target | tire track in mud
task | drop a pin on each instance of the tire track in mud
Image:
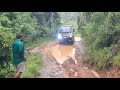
(74, 67)
(51, 68)
(71, 68)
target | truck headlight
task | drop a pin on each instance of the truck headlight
(70, 35)
(59, 36)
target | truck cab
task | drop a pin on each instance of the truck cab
(66, 34)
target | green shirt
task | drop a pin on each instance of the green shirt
(18, 52)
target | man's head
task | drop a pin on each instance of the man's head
(19, 37)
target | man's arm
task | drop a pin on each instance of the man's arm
(21, 50)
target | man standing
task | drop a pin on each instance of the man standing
(18, 55)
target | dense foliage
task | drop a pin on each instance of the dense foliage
(101, 35)
(100, 32)
(32, 25)
(69, 18)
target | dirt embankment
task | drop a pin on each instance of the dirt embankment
(74, 67)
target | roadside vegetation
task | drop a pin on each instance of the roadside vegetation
(100, 32)
(35, 27)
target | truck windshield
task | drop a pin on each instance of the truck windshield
(65, 30)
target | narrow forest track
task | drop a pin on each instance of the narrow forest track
(51, 69)
(72, 67)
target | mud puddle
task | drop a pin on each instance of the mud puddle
(62, 52)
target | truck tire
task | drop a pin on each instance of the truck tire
(72, 41)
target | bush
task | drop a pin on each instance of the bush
(6, 38)
(116, 60)
(33, 65)
(27, 24)
(101, 32)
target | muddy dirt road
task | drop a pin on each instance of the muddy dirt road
(63, 61)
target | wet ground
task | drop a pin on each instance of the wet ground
(62, 52)
(63, 61)
(66, 61)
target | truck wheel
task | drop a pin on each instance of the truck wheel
(72, 42)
